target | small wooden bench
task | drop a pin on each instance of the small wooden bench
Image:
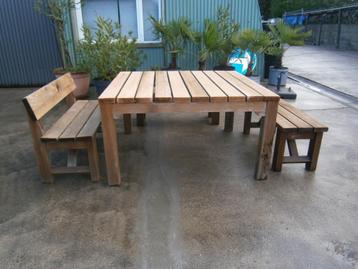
(292, 124)
(74, 130)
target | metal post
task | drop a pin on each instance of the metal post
(320, 30)
(339, 28)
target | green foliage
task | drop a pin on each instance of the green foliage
(55, 11)
(255, 40)
(208, 42)
(283, 35)
(108, 51)
(226, 28)
(174, 35)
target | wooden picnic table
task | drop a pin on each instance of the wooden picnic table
(185, 91)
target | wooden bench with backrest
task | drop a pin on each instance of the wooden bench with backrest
(74, 130)
(292, 124)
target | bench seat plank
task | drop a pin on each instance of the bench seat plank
(299, 123)
(79, 121)
(61, 124)
(283, 123)
(214, 92)
(91, 125)
(179, 90)
(319, 127)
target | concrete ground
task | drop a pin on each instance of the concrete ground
(188, 199)
(334, 68)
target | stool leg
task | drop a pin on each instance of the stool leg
(279, 151)
(247, 123)
(215, 118)
(313, 151)
(140, 119)
(229, 121)
(127, 123)
(93, 160)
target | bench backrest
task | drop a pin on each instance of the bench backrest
(44, 99)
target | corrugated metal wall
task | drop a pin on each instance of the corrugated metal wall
(245, 12)
(154, 58)
(28, 49)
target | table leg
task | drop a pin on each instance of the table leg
(267, 132)
(110, 144)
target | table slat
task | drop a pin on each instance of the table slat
(197, 92)
(251, 94)
(179, 90)
(268, 95)
(162, 92)
(146, 88)
(214, 92)
(233, 94)
(111, 92)
(128, 92)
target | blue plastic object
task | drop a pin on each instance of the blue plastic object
(242, 60)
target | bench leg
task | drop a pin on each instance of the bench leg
(127, 123)
(215, 118)
(313, 151)
(279, 151)
(229, 121)
(247, 123)
(93, 160)
(140, 119)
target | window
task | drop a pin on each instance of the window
(131, 14)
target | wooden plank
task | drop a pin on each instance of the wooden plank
(267, 133)
(279, 151)
(113, 89)
(129, 90)
(146, 88)
(304, 116)
(268, 95)
(70, 170)
(313, 151)
(91, 126)
(292, 147)
(251, 94)
(79, 121)
(44, 99)
(214, 92)
(162, 92)
(198, 94)
(285, 124)
(110, 144)
(234, 95)
(179, 90)
(60, 125)
(300, 124)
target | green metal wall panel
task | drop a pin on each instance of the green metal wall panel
(245, 12)
(153, 58)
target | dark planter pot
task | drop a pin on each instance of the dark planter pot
(100, 85)
(278, 76)
(271, 60)
(224, 67)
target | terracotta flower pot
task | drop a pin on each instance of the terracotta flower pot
(82, 81)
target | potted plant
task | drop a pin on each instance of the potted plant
(226, 28)
(282, 36)
(174, 36)
(208, 42)
(55, 10)
(252, 42)
(108, 52)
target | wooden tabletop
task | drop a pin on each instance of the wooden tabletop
(184, 87)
